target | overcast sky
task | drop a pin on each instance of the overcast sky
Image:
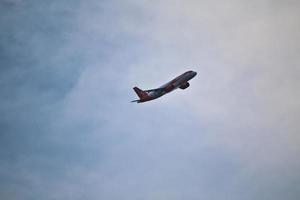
(69, 131)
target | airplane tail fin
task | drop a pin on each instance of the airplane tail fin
(142, 94)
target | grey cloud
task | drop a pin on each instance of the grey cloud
(68, 130)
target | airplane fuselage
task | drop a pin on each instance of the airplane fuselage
(178, 82)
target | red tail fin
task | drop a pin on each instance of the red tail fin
(142, 94)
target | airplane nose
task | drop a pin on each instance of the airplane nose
(194, 73)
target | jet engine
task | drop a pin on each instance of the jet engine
(184, 85)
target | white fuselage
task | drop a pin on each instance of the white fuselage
(179, 82)
(173, 84)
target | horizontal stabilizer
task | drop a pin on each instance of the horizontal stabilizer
(138, 101)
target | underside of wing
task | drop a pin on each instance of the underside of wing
(155, 90)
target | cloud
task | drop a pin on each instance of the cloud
(68, 130)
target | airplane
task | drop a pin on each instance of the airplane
(179, 82)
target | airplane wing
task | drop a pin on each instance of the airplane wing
(155, 90)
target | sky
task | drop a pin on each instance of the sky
(69, 131)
